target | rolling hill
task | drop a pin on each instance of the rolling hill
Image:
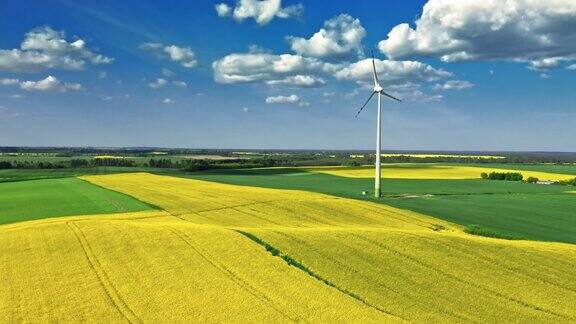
(218, 250)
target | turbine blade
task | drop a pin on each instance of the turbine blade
(364, 105)
(376, 81)
(390, 96)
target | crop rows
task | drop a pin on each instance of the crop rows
(218, 252)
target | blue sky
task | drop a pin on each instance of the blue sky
(287, 74)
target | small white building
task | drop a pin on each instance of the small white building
(544, 182)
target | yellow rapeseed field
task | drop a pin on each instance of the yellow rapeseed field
(396, 171)
(479, 157)
(211, 203)
(104, 157)
(226, 253)
(153, 267)
(441, 277)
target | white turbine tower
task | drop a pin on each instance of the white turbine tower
(377, 90)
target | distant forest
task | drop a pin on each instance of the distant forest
(192, 159)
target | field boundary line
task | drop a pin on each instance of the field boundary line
(149, 204)
(105, 281)
(79, 218)
(229, 273)
(292, 262)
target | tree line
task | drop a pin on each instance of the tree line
(507, 176)
(516, 176)
(73, 163)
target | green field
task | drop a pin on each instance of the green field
(11, 175)
(507, 208)
(36, 199)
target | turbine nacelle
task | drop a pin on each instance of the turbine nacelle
(377, 88)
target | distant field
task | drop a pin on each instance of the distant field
(36, 199)
(39, 157)
(569, 169)
(509, 208)
(11, 175)
(423, 156)
(217, 251)
(430, 171)
(53, 158)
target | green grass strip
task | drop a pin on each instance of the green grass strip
(295, 263)
(480, 231)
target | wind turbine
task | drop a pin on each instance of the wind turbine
(380, 91)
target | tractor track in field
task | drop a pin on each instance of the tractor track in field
(512, 269)
(111, 291)
(354, 270)
(230, 274)
(292, 262)
(456, 278)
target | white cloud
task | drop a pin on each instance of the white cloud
(102, 75)
(183, 55)
(299, 81)
(168, 73)
(294, 70)
(538, 32)
(167, 101)
(391, 71)
(44, 48)
(50, 83)
(410, 91)
(148, 46)
(545, 76)
(328, 94)
(352, 94)
(245, 109)
(453, 85)
(291, 99)
(107, 98)
(304, 104)
(417, 95)
(545, 64)
(571, 67)
(159, 83)
(340, 37)
(407, 91)
(312, 66)
(9, 81)
(223, 10)
(262, 11)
